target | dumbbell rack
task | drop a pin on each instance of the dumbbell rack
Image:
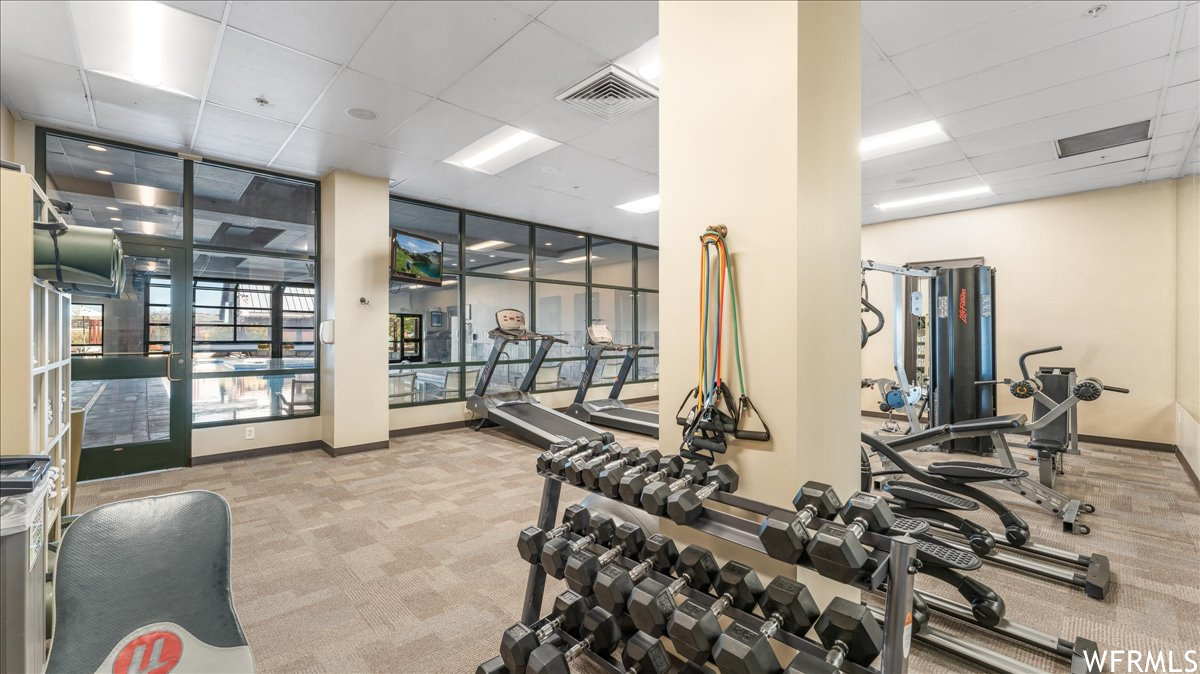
(895, 568)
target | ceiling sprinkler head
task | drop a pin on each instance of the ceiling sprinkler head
(1094, 12)
(262, 102)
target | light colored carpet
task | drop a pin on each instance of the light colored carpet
(403, 560)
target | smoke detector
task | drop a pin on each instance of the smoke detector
(610, 94)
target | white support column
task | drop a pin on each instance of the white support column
(759, 130)
(354, 264)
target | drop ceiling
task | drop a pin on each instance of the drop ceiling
(1003, 78)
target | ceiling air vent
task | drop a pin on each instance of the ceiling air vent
(1102, 140)
(610, 94)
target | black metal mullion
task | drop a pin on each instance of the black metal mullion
(277, 321)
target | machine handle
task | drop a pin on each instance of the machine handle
(1116, 389)
(1021, 360)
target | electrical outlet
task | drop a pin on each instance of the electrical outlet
(249, 432)
(656, 387)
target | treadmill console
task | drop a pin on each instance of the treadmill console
(510, 320)
(599, 334)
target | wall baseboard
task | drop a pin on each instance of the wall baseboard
(353, 449)
(431, 428)
(257, 452)
(1098, 439)
(1187, 468)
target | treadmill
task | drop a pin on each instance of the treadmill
(610, 411)
(518, 410)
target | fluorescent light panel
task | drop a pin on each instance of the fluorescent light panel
(484, 245)
(931, 198)
(645, 205)
(518, 270)
(902, 140)
(581, 258)
(503, 148)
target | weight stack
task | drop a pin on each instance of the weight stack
(963, 345)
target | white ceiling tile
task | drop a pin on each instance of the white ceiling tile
(527, 71)
(1175, 141)
(645, 160)
(872, 215)
(1028, 30)
(932, 155)
(439, 130)
(900, 26)
(441, 179)
(1098, 172)
(917, 177)
(894, 113)
(1043, 191)
(392, 102)
(384, 163)
(314, 150)
(600, 183)
(427, 46)
(323, 28)
(1166, 159)
(1141, 41)
(236, 133)
(45, 88)
(611, 28)
(1176, 122)
(1190, 38)
(1096, 118)
(249, 67)
(37, 28)
(1110, 86)
(1187, 67)
(1045, 168)
(625, 136)
(152, 113)
(209, 9)
(557, 166)
(880, 82)
(1160, 174)
(869, 55)
(1034, 153)
(1182, 97)
(558, 121)
(530, 7)
(901, 193)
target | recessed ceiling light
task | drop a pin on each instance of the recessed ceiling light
(491, 256)
(645, 205)
(118, 229)
(902, 140)
(580, 236)
(449, 282)
(413, 286)
(518, 270)
(547, 244)
(931, 198)
(470, 260)
(362, 113)
(115, 219)
(484, 245)
(97, 148)
(103, 172)
(581, 258)
(112, 208)
(500, 149)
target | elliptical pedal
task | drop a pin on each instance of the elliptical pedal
(908, 527)
(970, 471)
(934, 553)
(922, 495)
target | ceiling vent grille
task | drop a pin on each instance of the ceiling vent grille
(610, 94)
(1102, 140)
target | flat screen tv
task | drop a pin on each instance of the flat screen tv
(416, 259)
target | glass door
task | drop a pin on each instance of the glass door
(131, 365)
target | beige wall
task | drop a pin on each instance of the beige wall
(267, 433)
(1187, 326)
(1094, 272)
(7, 138)
(778, 164)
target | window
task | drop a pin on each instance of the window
(486, 296)
(560, 256)
(612, 263)
(405, 343)
(116, 187)
(647, 313)
(87, 329)
(614, 308)
(562, 312)
(497, 247)
(247, 210)
(647, 267)
(158, 315)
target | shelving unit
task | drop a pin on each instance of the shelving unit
(35, 344)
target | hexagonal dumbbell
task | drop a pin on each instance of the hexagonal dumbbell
(532, 539)
(850, 632)
(493, 666)
(633, 482)
(788, 606)
(519, 641)
(656, 494)
(583, 567)
(837, 551)
(694, 629)
(559, 451)
(573, 471)
(601, 634)
(643, 654)
(651, 604)
(557, 550)
(784, 535)
(559, 464)
(615, 583)
(595, 469)
(684, 507)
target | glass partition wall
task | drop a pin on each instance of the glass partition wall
(563, 281)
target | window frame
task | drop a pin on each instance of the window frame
(88, 344)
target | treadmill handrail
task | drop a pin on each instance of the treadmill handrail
(613, 346)
(524, 336)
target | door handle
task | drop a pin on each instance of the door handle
(170, 360)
